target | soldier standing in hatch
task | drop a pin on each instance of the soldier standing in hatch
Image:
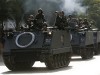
(61, 21)
(57, 16)
(45, 29)
(39, 19)
(69, 20)
(80, 22)
(86, 23)
(72, 22)
(30, 21)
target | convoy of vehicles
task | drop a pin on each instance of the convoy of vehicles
(50, 45)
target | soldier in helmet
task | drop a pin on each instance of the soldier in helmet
(30, 21)
(45, 29)
(92, 23)
(69, 20)
(56, 13)
(72, 22)
(61, 21)
(86, 23)
(39, 19)
(80, 22)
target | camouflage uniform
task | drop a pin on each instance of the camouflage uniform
(80, 22)
(45, 25)
(61, 21)
(39, 19)
(86, 23)
(72, 22)
(69, 18)
(30, 21)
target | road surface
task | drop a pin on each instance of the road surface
(76, 67)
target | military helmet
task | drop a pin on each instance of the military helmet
(70, 16)
(85, 19)
(56, 11)
(40, 10)
(62, 12)
(80, 19)
(45, 24)
(31, 16)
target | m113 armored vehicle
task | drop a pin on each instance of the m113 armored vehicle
(22, 49)
(85, 43)
(96, 35)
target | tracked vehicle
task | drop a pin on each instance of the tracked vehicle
(96, 35)
(82, 44)
(85, 43)
(22, 49)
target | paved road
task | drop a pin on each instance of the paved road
(76, 67)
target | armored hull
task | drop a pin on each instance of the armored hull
(96, 42)
(83, 44)
(24, 48)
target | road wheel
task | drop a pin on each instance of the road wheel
(87, 53)
(58, 60)
(50, 62)
(11, 64)
(68, 58)
(97, 50)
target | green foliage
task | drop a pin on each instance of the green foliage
(10, 9)
(3, 9)
(93, 11)
(15, 10)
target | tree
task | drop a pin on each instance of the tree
(93, 10)
(10, 9)
(3, 12)
(15, 10)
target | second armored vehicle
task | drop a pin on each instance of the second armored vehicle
(85, 43)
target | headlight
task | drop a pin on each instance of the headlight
(10, 35)
(50, 33)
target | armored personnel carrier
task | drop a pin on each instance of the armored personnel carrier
(85, 42)
(96, 35)
(22, 49)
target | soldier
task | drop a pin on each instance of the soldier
(61, 21)
(30, 21)
(45, 29)
(57, 13)
(69, 18)
(80, 22)
(72, 22)
(86, 23)
(39, 19)
(92, 24)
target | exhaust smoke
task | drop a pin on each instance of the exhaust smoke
(50, 6)
(73, 6)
